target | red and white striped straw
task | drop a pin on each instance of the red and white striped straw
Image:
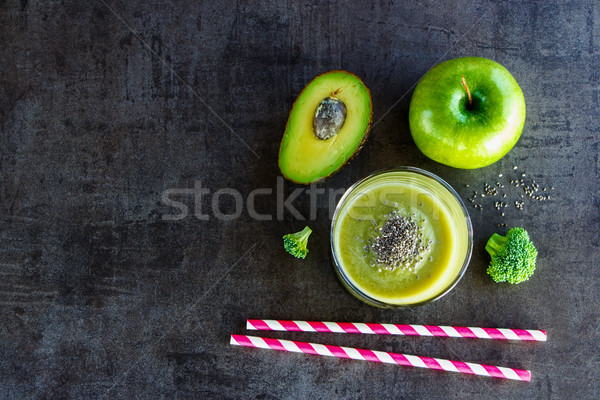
(396, 329)
(381, 356)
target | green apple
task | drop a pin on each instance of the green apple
(467, 112)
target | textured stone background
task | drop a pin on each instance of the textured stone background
(106, 104)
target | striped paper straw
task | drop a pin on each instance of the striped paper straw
(380, 356)
(396, 329)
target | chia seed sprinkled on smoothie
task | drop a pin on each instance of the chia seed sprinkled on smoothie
(399, 243)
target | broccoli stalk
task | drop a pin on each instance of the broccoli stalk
(295, 243)
(513, 256)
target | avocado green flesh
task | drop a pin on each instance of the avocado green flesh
(303, 157)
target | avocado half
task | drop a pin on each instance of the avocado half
(328, 124)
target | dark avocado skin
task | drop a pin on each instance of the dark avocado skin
(358, 148)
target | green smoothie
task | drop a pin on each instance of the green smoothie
(413, 196)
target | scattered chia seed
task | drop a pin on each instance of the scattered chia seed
(519, 205)
(526, 188)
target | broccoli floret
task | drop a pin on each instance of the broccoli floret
(295, 243)
(513, 256)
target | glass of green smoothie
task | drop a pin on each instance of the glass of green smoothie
(400, 238)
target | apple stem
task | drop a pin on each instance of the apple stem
(464, 83)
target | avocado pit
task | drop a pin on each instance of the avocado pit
(329, 118)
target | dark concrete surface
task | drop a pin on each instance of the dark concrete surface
(105, 105)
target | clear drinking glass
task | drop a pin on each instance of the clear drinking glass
(415, 192)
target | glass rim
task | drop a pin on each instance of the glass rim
(337, 264)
